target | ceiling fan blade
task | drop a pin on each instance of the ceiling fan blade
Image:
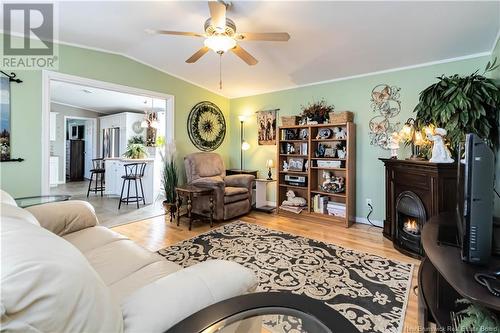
(218, 14)
(244, 55)
(178, 33)
(194, 58)
(264, 36)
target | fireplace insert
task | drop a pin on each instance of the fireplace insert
(410, 218)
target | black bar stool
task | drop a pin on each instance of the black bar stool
(98, 170)
(135, 172)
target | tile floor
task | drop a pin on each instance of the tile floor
(106, 207)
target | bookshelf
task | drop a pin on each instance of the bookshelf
(305, 159)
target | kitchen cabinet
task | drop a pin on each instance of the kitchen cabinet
(125, 122)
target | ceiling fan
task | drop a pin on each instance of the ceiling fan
(221, 36)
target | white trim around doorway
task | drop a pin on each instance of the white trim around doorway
(48, 76)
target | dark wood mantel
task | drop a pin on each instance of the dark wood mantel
(434, 183)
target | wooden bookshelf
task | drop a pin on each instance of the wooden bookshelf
(314, 173)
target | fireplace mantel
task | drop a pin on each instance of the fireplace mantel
(434, 183)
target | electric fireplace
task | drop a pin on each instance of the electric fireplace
(410, 218)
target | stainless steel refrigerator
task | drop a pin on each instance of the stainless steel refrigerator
(111, 142)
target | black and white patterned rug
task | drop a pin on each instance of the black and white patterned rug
(369, 290)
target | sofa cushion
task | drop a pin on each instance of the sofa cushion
(48, 286)
(91, 238)
(187, 291)
(6, 198)
(144, 276)
(117, 260)
(233, 194)
(14, 212)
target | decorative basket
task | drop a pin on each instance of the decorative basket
(289, 120)
(340, 117)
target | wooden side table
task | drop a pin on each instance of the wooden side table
(190, 192)
(260, 195)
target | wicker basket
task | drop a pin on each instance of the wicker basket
(340, 117)
(289, 120)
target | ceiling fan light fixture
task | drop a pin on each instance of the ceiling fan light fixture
(220, 43)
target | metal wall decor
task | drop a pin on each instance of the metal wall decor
(206, 126)
(385, 100)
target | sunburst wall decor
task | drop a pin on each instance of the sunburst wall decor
(206, 126)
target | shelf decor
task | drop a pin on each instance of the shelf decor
(206, 126)
(316, 113)
(320, 167)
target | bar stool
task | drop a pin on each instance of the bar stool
(98, 170)
(133, 172)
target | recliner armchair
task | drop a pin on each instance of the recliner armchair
(233, 194)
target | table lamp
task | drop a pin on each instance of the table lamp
(269, 165)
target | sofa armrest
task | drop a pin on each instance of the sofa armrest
(239, 181)
(165, 302)
(65, 217)
(217, 182)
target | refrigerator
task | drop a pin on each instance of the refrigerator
(111, 142)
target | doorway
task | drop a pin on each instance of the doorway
(93, 107)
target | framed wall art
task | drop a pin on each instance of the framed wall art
(266, 125)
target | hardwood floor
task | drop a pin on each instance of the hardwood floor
(157, 233)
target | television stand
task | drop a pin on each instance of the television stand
(448, 235)
(444, 278)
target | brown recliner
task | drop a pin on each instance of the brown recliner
(233, 194)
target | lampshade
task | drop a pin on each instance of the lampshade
(418, 138)
(245, 145)
(220, 43)
(429, 130)
(242, 118)
(269, 164)
(406, 131)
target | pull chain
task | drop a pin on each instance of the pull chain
(220, 70)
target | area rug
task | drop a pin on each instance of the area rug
(369, 290)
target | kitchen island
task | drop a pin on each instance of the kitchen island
(115, 169)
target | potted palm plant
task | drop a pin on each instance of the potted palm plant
(463, 104)
(170, 178)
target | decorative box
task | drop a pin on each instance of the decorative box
(340, 117)
(289, 120)
(329, 164)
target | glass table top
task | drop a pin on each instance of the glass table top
(39, 200)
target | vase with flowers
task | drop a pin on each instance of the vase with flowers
(316, 112)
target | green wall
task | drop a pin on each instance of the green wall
(24, 179)
(353, 95)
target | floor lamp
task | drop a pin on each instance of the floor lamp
(243, 144)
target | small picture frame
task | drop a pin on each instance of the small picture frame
(330, 152)
(296, 164)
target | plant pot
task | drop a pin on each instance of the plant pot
(169, 207)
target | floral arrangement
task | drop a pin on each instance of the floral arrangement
(316, 111)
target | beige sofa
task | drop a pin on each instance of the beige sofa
(233, 194)
(62, 272)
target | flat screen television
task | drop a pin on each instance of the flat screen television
(475, 200)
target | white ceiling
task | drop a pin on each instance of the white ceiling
(329, 40)
(101, 100)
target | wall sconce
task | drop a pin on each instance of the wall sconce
(269, 165)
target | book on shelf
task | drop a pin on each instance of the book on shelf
(293, 209)
(320, 204)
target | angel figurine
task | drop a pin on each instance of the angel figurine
(440, 153)
(394, 144)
